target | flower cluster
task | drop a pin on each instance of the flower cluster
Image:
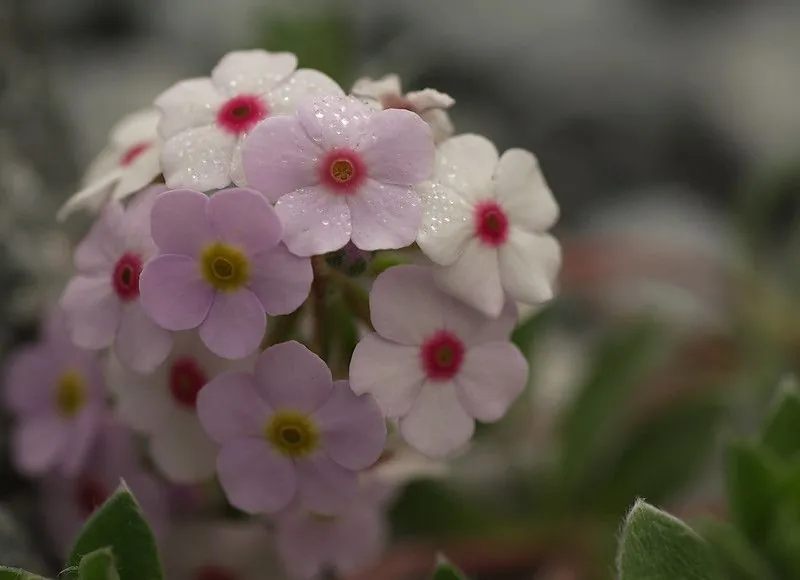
(215, 297)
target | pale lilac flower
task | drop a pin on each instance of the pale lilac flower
(435, 363)
(340, 170)
(55, 390)
(485, 221)
(68, 502)
(289, 432)
(221, 266)
(162, 405)
(129, 163)
(429, 104)
(101, 303)
(309, 543)
(221, 550)
(205, 119)
(400, 464)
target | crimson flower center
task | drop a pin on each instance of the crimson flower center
(132, 153)
(241, 113)
(491, 224)
(125, 277)
(89, 495)
(214, 572)
(442, 355)
(186, 378)
(342, 170)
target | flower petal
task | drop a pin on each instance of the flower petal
(281, 280)
(384, 216)
(285, 99)
(324, 486)
(278, 157)
(134, 128)
(37, 443)
(92, 310)
(491, 378)
(405, 306)
(92, 196)
(430, 99)
(79, 441)
(188, 104)
(528, 266)
(252, 71)
(447, 223)
(466, 164)
(27, 381)
(437, 424)
(182, 450)
(397, 147)
(173, 293)
(389, 372)
(289, 376)
(521, 189)
(198, 158)
(141, 344)
(136, 231)
(314, 221)
(142, 402)
(474, 279)
(229, 407)
(99, 250)
(335, 122)
(141, 173)
(244, 218)
(179, 224)
(352, 427)
(235, 324)
(255, 478)
(375, 89)
(439, 122)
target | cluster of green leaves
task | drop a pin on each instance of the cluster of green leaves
(115, 544)
(762, 540)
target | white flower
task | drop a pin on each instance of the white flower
(163, 406)
(205, 119)
(126, 165)
(429, 104)
(401, 464)
(485, 220)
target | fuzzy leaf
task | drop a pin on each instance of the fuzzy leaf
(445, 570)
(735, 555)
(657, 546)
(98, 565)
(17, 574)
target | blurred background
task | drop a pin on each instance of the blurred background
(669, 132)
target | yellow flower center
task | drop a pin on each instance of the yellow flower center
(342, 170)
(70, 395)
(225, 267)
(292, 434)
(322, 518)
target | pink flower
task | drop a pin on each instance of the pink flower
(205, 119)
(221, 266)
(340, 170)
(101, 303)
(289, 432)
(308, 542)
(434, 362)
(68, 502)
(55, 389)
(485, 222)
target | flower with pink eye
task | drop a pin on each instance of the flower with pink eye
(485, 221)
(206, 119)
(129, 163)
(341, 171)
(435, 363)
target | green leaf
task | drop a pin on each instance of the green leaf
(735, 555)
(662, 455)
(120, 525)
(753, 486)
(17, 574)
(619, 363)
(657, 546)
(446, 570)
(783, 542)
(98, 565)
(782, 430)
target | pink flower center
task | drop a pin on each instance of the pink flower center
(442, 355)
(89, 495)
(213, 572)
(125, 278)
(491, 224)
(240, 114)
(342, 170)
(133, 153)
(186, 378)
(397, 102)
